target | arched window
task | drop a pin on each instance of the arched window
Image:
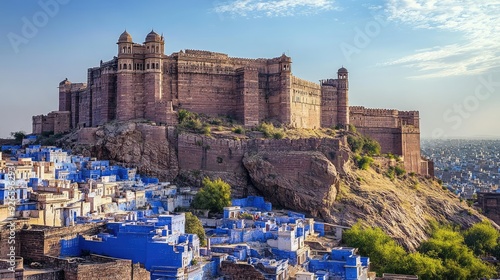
(157, 49)
(129, 50)
(152, 66)
(147, 66)
(120, 66)
(130, 66)
(123, 50)
(124, 66)
(157, 66)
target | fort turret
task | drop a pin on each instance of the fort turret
(124, 78)
(154, 47)
(343, 100)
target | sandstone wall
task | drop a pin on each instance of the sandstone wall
(204, 156)
(38, 241)
(306, 104)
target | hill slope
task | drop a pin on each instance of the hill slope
(402, 207)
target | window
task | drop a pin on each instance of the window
(124, 66)
(130, 66)
(152, 66)
(157, 66)
(147, 66)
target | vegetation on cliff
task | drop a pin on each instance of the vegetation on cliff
(444, 255)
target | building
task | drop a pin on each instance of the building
(342, 263)
(142, 82)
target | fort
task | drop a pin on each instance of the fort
(141, 82)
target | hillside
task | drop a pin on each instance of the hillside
(314, 174)
(402, 207)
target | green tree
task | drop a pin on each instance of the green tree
(459, 261)
(18, 136)
(193, 225)
(423, 266)
(214, 195)
(481, 238)
(385, 254)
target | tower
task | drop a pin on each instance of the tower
(125, 97)
(154, 49)
(65, 95)
(285, 70)
(342, 99)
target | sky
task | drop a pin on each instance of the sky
(438, 57)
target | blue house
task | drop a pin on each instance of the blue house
(160, 244)
(343, 263)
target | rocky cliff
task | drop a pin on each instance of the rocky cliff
(147, 147)
(313, 175)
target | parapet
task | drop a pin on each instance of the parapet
(373, 112)
(328, 82)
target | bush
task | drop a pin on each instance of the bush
(363, 144)
(400, 171)
(267, 129)
(365, 162)
(390, 173)
(206, 130)
(270, 131)
(238, 129)
(278, 135)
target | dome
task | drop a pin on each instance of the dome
(125, 38)
(153, 37)
(342, 70)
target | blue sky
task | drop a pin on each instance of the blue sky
(438, 57)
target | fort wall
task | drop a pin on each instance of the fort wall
(397, 132)
(196, 152)
(39, 241)
(306, 104)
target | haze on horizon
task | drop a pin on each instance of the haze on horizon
(440, 58)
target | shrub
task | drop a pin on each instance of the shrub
(270, 131)
(400, 171)
(278, 135)
(238, 129)
(206, 130)
(183, 114)
(390, 173)
(266, 128)
(363, 162)
(358, 144)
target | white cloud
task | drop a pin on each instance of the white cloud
(478, 22)
(273, 8)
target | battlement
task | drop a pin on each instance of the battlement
(298, 82)
(329, 82)
(372, 111)
(189, 52)
(246, 68)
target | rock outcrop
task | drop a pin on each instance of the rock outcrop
(147, 147)
(303, 181)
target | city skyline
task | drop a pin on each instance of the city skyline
(439, 59)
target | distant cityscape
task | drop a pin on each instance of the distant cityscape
(466, 166)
